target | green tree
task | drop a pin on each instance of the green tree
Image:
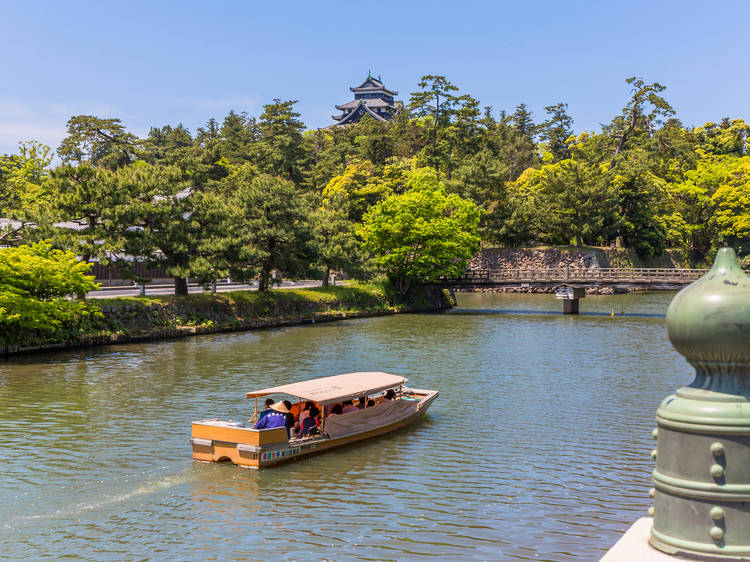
(166, 145)
(731, 217)
(24, 198)
(640, 116)
(434, 99)
(99, 142)
(330, 151)
(421, 234)
(643, 202)
(572, 203)
(209, 134)
(515, 151)
(373, 141)
(338, 248)
(271, 227)
(239, 136)
(556, 130)
(522, 121)
(515, 220)
(361, 186)
(730, 137)
(693, 201)
(155, 219)
(672, 150)
(407, 135)
(481, 177)
(435, 104)
(84, 199)
(38, 286)
(281, 147)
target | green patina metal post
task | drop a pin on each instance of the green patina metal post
(702, 476)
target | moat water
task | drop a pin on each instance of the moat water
(537, 448)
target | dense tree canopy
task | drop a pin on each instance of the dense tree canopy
(247, 196)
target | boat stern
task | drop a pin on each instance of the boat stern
(221, 441)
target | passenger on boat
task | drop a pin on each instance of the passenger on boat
(390, 395)
(336, 410)
(349, 406)
(289, 416)
(362, 402)
(266, 408)
(309, 425)
(275, 418)
(370, 403)
(305, 412)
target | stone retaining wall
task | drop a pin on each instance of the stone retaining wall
(549, 258)
(532, 290)
(157, 318)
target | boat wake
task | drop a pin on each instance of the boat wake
(147, 488)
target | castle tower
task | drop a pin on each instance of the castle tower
(370, 98)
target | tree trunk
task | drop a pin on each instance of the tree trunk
(264, 279)
(402, 286)
(327, 276)
(625, 133)
(180, 286)
(579, 242)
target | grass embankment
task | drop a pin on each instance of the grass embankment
(128, 319)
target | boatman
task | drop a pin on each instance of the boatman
(266, 408)
(275, 418)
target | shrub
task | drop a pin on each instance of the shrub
(39, 288)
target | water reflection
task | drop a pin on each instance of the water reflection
(536, 449)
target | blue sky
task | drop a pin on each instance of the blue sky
(156, 63)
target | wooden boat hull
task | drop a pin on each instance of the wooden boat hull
(216, 441)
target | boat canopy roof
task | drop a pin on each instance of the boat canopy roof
(326, 390)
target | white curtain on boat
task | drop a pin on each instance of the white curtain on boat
(370, 418)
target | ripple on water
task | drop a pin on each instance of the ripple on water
(536, 449)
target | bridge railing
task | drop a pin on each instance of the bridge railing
(562, 274)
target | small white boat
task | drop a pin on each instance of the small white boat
(216, 440)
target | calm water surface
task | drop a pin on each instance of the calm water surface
(538, 447)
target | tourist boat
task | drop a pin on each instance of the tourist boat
(216, 440)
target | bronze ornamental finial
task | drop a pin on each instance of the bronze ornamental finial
(702, 475)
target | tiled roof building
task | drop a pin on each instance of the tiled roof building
(370, 98)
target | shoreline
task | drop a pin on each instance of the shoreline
(186, 331)
(128, 320)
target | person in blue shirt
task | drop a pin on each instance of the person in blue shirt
(266, 408)
(276, 417)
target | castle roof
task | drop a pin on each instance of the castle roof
(372, 84)
(373, 103)
(354, 115)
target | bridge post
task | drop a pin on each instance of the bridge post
(702, 477)
(570, 297)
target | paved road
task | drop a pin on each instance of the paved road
(192, 288)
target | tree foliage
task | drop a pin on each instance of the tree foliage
(270, 226)
(259, 196)
(24, 196)
(421, 234)
(97, 141)
(155, 218)
(36, 283)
